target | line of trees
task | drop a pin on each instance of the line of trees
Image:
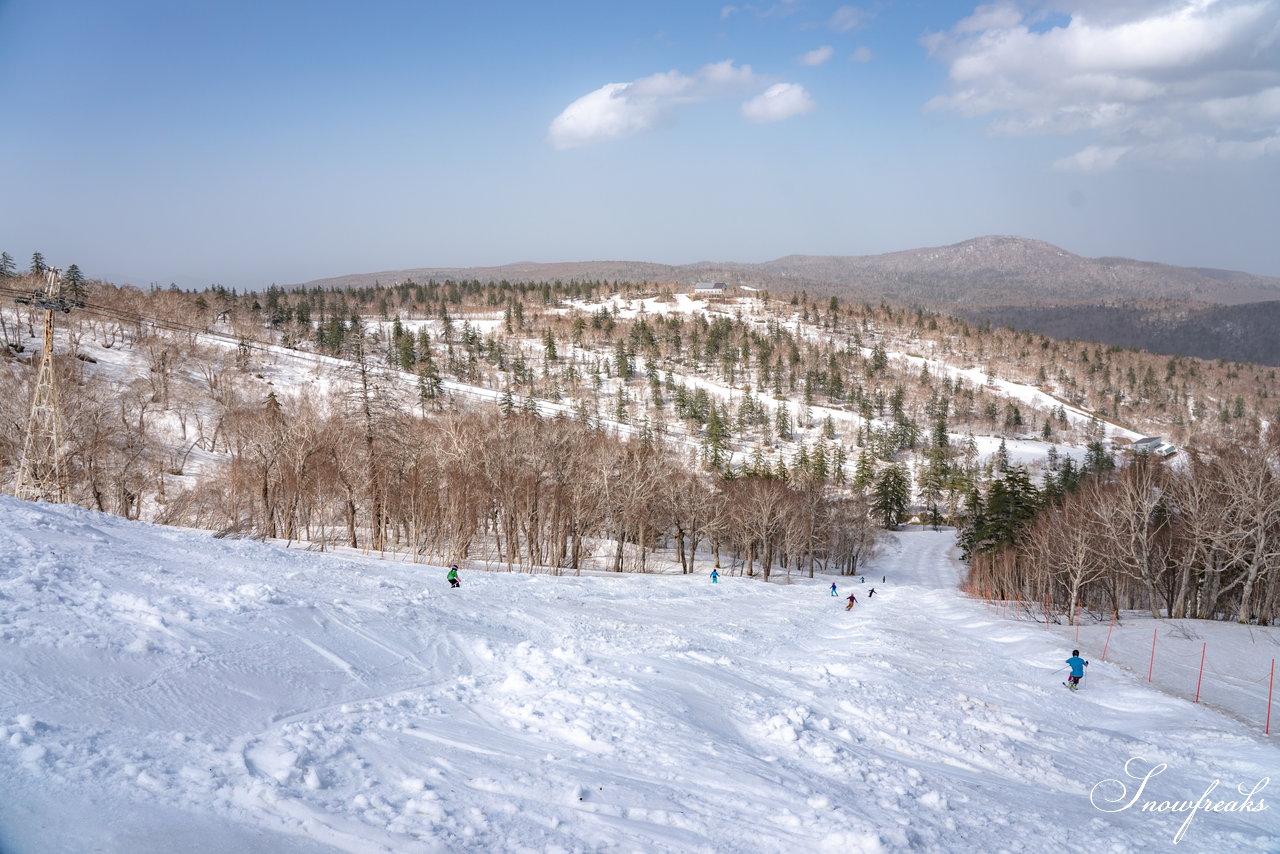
(1198, 541)
(517, 490)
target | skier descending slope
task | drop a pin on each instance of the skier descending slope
(1078, 665)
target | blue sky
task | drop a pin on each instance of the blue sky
(246, 143)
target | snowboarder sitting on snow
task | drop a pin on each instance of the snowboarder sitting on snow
(853, 600)
(1078, 665)
(715, 577)
(833, 589)
(453, 577)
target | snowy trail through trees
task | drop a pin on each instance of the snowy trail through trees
(162, 689)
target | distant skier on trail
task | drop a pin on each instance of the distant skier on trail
(1078, 665)
(715, 577)
(833, 589)
(453, 576)
(853, 600)
(871, 592)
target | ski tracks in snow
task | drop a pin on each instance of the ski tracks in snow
(364, 707)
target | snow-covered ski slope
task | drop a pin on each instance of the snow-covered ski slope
(162, 691)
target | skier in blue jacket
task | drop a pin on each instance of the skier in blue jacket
(1078, 665)
(833, 589)
(715, 577)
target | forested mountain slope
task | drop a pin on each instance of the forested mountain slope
(1237, 333)
(586, 425)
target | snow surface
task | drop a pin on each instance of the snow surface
(164, 690)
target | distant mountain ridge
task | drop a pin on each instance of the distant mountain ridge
(991, 270)
(1011, 281)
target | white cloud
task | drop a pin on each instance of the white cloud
(726, 11)
(780, 101)
(1094, 158)
(618, 110)
(817, 56)
(993, 16)
(1154, 81)
(846, 18)
(862, 54)
(1244, 111)
(1251, 150)
(607, 113)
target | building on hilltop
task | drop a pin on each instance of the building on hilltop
(1154, 445)
(709, 287)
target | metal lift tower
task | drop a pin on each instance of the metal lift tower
(42, 472)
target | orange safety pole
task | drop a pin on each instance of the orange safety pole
(1151, 669)
(1269, 690)
(1203, 650)
(1109, 628)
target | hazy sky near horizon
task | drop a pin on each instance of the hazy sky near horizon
(246, 143)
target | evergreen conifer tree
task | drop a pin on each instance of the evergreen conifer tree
(891, 496)
(782, 422)
(838, 461)
(1097, 458)
(1012, 500)
(864, 471)
(717, 438)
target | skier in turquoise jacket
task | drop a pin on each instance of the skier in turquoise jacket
(1078, 665)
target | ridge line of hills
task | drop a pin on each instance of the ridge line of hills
(1010, 281)
(990, 269)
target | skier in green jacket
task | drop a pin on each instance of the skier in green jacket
(453, 577)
